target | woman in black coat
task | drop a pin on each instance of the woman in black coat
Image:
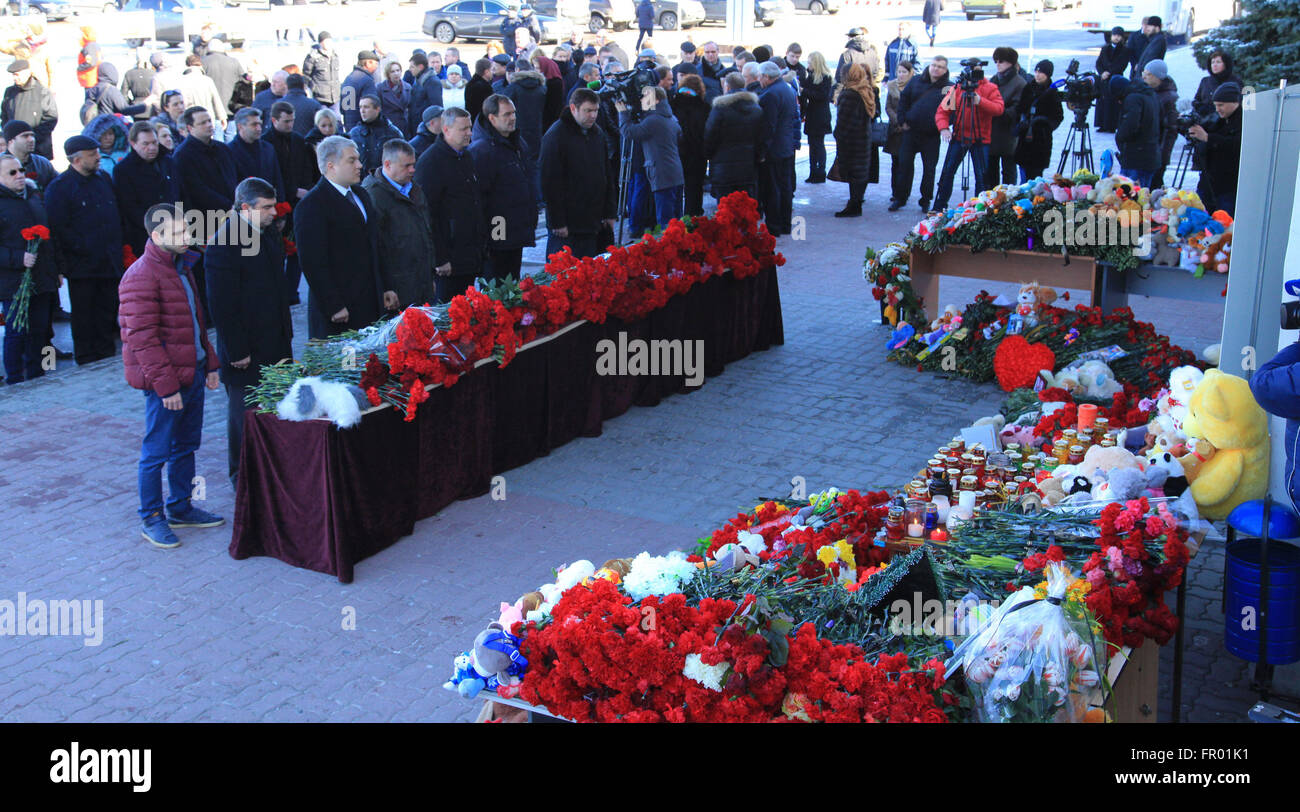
(930, 16)
(1220, 71)
(1040, 114)
(692, 112)
(1113, 60)
(855, 108)
(815, 101)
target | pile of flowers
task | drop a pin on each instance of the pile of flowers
(428, 346)
(891, 283)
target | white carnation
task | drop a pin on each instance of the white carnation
(658, 575)
(710, 676)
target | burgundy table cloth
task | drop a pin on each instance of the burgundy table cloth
(322, 498)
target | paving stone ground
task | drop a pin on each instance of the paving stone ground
(191, 634)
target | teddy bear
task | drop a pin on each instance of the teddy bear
(1067, 379)
(493, 664)
(1173, 477)
(1098, 381)
(1224, 412)
(1119, 485)
(1030, 301)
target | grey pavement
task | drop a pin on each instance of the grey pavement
(191, 634)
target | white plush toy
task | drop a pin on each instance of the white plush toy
(1098, 381)
(312, 398)
(1067, 379)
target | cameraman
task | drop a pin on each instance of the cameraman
(1138, 134)
(1220, 141)
(964, 119)
(656, 134)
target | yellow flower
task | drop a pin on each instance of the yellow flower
(827, 555)
(846, 552)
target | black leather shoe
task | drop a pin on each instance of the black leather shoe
(850, 210)
(895, 206)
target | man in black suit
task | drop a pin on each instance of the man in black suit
(250, 305)
(298, 169)
(446, 174)
(146, 177)
(337, 243)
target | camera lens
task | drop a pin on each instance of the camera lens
(1291, 315)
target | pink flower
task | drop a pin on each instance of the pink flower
(1155, 527)
(1115, 559)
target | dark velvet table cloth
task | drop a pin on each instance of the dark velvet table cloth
(322, 498)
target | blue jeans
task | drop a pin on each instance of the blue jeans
(171, 438)
(639, 202)
(23, 351)
(668, 205)
(952, 159)
(1142, 176)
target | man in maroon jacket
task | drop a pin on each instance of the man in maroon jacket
(166, 353)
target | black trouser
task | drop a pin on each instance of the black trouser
(24, 353)
(952, 160)
(449, 287)
(720, 190)
(817, 157)
(94, 318)
(292, 276)
(645, 32)
(1166, 152)
(904, 168)
(504, 263)
(580, 245)
(779, 208)
(1000, 169)
(234, 428)
(694, 205)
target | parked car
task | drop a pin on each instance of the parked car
(674, 14)
(766, 12)
(820, 6)
(56, 10)
(1053, 5)
(481, 20)
(999, 8)
(174, 21)
(601, 14)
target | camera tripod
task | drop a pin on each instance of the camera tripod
(624, 182)
(1184, 162)
(966, 138)
(1080, 134)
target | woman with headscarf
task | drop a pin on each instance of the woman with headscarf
(855, 108)
(815, 98)
(1220, 72)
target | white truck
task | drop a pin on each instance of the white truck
(1181, 18)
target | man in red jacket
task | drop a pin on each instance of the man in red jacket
(166, 353)
(965, 121)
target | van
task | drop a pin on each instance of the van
(1181, 18)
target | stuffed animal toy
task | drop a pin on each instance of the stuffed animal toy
(464, 679)
(1021, 431)
(1224, 412)
(901, 335)
(1120, 485)
(1031, 300)
(311, 398)
(1198, 452)
(1098, 381)
(1067, 379)
(1175, 478)
(1052, 490)
(496, 658)
(1106, 460)
(1211, 354)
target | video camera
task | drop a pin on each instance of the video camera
(627, 87)
(1291, 310)
(1185, 122)
(972, 73)
(1080, 88)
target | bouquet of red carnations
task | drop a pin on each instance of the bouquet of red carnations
(18, 313)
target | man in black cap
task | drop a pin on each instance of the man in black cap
(501, 68)
(430, 129)
(1220, 141)
(86, 230)
(858, 51)
(690, 57)
(21, 140)
(1153, 47)
(321, 69)
(360, 83)
(29, 100)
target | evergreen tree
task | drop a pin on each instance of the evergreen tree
(1264, 43)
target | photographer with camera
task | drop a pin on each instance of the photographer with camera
(1138, 134)
(1002, 138)
(1156, 76)
(965, 119)
(1220, 140)
(1040, 114)
(656, 134)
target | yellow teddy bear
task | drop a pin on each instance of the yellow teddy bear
(1223, 412)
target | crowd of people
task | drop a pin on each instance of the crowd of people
(201, 194)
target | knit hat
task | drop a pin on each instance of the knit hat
(1118, 85)
(157, 60)
(454, 69)
(18, 64)
(688, 47)
(590, 50)
(1045, 67)
(16, 128)
(79, 143)
(1119, 29)
(1157, 68)
(762, 53)
(430, 112)
(362, 56)
(1156, 21)
(1228, 92)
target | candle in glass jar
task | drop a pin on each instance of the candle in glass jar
(965, 504)
(943, 505)
(1087, 415)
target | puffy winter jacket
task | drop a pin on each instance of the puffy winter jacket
(370, 139)
(108, 160)
(953, 111)
(733, 139)
(657, 133)
(506, 184)
(1276, 386)
(919, 101)
(158, 351)
(106, 98)
(1138, 134)
(322, 74)
(527, 89)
